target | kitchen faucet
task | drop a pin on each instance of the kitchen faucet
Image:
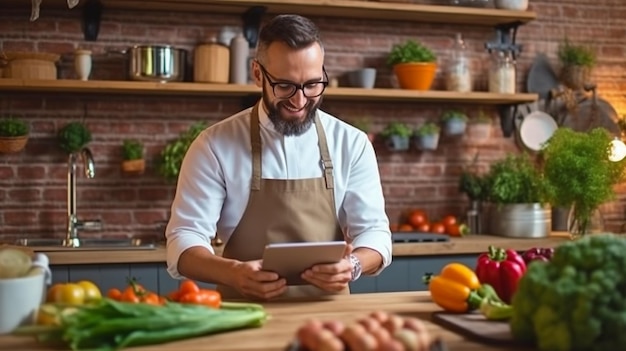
(73, 224)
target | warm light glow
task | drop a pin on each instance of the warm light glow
(617, 151)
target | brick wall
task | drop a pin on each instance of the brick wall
(33, 183)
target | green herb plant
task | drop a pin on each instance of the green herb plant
(570, 54)
(427, 128)
(13, 127)
(579, 172)
(410, 51)
(397, 128)
(174, 152)
(471, 182)
(132, 150)
(73, 137)
(515, 180)
(453, 115)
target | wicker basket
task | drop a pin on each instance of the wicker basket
(10, 145)
(575, 77)
(30, 65)
(133, 166)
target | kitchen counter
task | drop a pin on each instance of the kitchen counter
(471, 244)
(286, 317)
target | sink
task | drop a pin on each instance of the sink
(95, 244)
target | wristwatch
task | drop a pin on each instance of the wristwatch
(356, 267)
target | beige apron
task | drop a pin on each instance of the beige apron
(284, 210)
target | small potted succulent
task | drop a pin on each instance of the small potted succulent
(577, 62)
(427, 136)
(454, 122)
(73, 137)
(414, 65)
(397, 136)
(132, 157)
(13, 135)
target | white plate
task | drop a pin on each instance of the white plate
(536, 129)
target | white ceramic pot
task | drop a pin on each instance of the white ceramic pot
(82, 64)
(517, 5)
(19, 301)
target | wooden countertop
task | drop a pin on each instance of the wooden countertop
(471, 244)
(286, 317)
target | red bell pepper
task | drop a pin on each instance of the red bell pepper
(502, 269)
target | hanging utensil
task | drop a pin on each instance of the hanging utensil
(34, 10)
(72, 3)
(541, 78)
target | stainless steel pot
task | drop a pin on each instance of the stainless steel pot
(161, 63)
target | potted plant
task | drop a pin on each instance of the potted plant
(13, 135)
(473, 184)
(517, 195)
(397, 136)
(577, 62)
(580, 175)
(364, 124)
(479, 127)
(454, 122)
(427, 136)
(132, 157)
(414, 65)
(173, 153)
(73, 137)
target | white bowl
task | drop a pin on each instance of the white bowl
(19, 301)
(516, 5)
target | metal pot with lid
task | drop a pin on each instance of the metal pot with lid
(156, 63)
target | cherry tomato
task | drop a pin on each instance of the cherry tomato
(150, 298)
(204, 297)
(51, 295)
(129, 295)
(188, 286)
(115, 294)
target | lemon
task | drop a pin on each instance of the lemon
(70, 294)
(92, 292)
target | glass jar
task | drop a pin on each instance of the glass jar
(459, 77)
(502, 74)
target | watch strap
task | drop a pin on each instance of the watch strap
(356, 267)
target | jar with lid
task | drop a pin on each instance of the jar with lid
(502, 73)
(459, 75)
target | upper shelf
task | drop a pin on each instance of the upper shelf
(331, 8)
(196, 89)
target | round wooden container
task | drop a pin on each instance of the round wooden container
(30, 65)
(211, 63)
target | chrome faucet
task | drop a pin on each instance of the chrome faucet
(73, 224)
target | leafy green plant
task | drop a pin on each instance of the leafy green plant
(174, 152)
(397, 128)
(132, 150)
(481, 117)
(453, 114)
(428, 128)
(570, 54)
(13, 127)
(515, 180)
(471, 183)
(410, 51)
(73, 137)
(579, 172)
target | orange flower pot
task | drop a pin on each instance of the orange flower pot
(415, 75)
(133, 166)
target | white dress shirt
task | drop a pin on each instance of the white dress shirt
(214, 182)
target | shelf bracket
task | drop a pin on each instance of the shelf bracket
(92, 14)
(251, 23)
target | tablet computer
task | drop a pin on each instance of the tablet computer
(289, 260)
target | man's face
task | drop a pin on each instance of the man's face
(285, 68)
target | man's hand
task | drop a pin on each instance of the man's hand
(332, 277)
(255, 283)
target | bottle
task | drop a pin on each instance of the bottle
(502, 73)
(459, 76)
(239, 52)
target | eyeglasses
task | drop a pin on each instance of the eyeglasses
(285, 90)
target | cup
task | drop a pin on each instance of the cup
(362, 78)
(19, 300)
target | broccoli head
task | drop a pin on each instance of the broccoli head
(577, 301)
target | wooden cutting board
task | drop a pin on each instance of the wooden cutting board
(477, 327)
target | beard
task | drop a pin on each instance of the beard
(286, 126)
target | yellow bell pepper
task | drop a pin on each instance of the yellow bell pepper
(455, 289)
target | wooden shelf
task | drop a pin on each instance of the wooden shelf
(330, 8)
(199, 89)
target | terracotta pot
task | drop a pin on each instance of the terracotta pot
(415, 75)
(12, 144)
(575, 77)
(134, 166)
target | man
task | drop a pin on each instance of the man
(282, 171)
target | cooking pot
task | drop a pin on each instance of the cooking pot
(161, 63)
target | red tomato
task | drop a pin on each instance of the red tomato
(438, 228)
(417, 218)
(405, 228)
(424, 228)
(457, 229)
(449, 220)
